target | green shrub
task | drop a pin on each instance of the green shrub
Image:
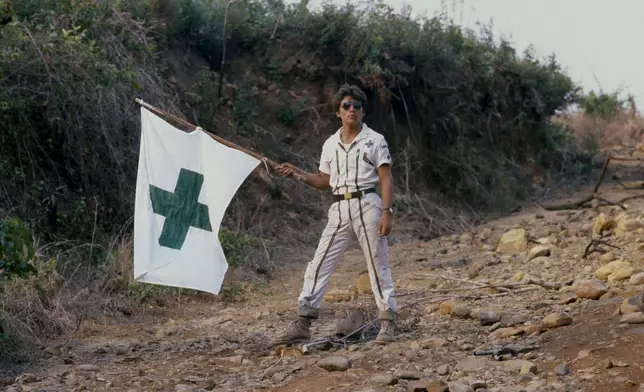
(16, 250)
(602, 105)
(239, 248)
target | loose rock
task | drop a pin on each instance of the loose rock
(385, 379)
(590, 289)
(528, 367)
(442, 370)
(88, 368)
(603, 223)
(633, 318)
(562, 369)
(607, 257)
(637, 279)
(488, 317)
(335, 363)
(514, 241)
(632, 304)
(457, 386)
(507, 332)
(478, 384)
(539, 251)
(408, 374)
(556, 320)
(427, 385)
(621, 268)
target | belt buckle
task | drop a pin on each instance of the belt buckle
(347, 196)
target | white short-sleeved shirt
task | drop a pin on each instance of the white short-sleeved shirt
(354, 167)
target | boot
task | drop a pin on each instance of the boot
(299, 332)
(386, 334)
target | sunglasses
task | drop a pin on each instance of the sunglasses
(356, 105)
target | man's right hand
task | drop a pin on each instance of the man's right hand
(286, 169)
(319, 180)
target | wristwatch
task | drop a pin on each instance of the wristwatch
(390, 209)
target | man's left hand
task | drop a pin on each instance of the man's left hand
(385, 224)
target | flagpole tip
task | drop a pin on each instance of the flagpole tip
(138, 100)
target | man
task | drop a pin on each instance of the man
(354, 160)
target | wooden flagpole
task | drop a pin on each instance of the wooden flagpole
(223, 141)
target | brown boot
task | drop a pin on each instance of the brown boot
(299, 332)
(386, 334)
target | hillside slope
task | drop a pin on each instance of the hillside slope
(461, 111)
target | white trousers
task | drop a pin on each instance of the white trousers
(349, 220)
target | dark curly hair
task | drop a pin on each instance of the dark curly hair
(347, 90)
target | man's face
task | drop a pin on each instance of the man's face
(350, 111)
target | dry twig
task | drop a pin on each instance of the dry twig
(501, 286)
(593, 246)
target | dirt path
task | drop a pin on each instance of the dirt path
(211, 346)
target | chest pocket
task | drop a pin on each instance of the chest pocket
(367, 159)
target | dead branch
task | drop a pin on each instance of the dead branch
(501, 286)
(280, 20)
(627, 159)
(586, 199)
(479, 284)
(632, 197)
(434, 299)
(594, 246)
(594, 194)
(530, 280)
(610, 203)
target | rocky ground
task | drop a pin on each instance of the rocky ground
(520, 284)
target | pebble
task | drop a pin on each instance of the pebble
(408, 374)
(528, 367)
(385, 379)
(478, 384)
(88, 368)
(633, 318)
(562, 369)
(442, 370)
(589, 289)
(427, 385)
(457, 386)
(335, 363)
(556, 320)
(488, 317)
(539, 251)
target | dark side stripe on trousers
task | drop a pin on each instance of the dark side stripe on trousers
(364, 227)
(335, 232)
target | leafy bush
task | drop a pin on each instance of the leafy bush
(16, 250)
(69, 72)
(238, 247)
(602, 105)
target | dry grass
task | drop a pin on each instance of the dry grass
(37, 308)
(626, 128)
(54, 303)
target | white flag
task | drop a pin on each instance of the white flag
(184, 185)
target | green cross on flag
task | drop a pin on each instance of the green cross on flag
(185, 183)
(181, 209)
